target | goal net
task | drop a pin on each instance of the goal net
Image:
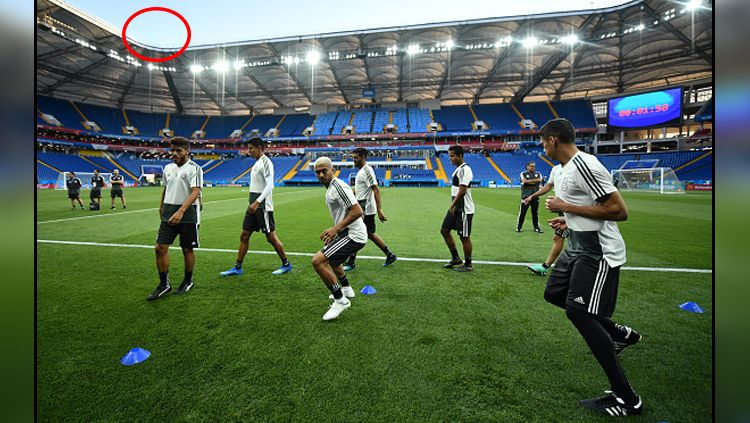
(151, 174)
(663, 180)
(85, 177)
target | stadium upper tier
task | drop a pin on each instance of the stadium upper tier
(499, 119)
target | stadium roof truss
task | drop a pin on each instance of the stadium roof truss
(638, 45)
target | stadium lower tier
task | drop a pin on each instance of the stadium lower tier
(495, 169)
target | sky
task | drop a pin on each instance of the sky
(221, 21)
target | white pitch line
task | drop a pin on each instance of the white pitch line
(416, 259)
(68, 219)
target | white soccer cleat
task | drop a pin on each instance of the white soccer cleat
(347, 291)
(337, 308)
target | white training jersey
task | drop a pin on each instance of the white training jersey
(363, 183)
(262, 169)
(554, 174)
(582, 181)
(339, 199)
(180, 180)
(463, 176)
(198, 207)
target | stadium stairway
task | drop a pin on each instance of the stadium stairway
(297, 166)
(388, 174)
(440, 172)
(546, 160)
(93, 163)
(122, 168)
(213, 167)
(245, 172)
(693, 161)
(498, 170)
(48, 165)
(518, 113)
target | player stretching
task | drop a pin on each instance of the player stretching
(347, 236)
(559, 235)
(259, 214)
(461, 212)
(183, 180)
(585, 278)
(368, 196)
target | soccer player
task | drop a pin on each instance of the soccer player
(74, 190)
(347, 236)
(183, 180)
(259, 214)
(461, 211)
(530, 181)
(559, 235)
(116, 182)
(368, 196)
(585, 278)
(97, 183)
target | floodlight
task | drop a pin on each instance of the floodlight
(412, 49)
(693, 5)
(313, 57)
(196, 68)
(530, 42)
(449, 44)
(570, 39)
(221, 67)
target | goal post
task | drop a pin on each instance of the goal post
(663, 180)
(85, 177)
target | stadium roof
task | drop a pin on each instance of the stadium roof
(641, 44)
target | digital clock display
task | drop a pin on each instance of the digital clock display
(646, 110)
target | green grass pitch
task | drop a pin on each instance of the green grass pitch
(431, 345)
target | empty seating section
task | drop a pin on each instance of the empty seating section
(578, 112)
(482, 169)
(66, 162)
(381, 120)
(108, 119)
(454, 118)
(412, 175)
(324, 123)
(294, 125)
(185, 125)
(513, 165)
(304, 176)
(228, 170)
(699, 171)
(223, 126)
(419, 119)
(282, 165)
(62, 110)
(538, 112)
(262, 123)
(148, 124)
(45, 175)
(499, 117)
(362, 122)
(341, 121)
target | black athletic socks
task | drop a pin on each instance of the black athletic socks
(344, 281)
(454, 254)
(188, 277)
(336, 291)
(163, 278)
(238, 264)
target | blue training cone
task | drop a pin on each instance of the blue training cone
(368, 290)
(135, 356)
(691, 307)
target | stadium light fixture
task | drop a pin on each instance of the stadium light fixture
(196, 68)
(640, 27)
(221, 66)
(239, 64)
(530, 42)
(412, 49)
(569, 39)
(313, 57)
(151, 66)
(693, 5)
(449, 44)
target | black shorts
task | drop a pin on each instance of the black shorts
(96, 193)
(74, 194)
(585, 283)
(370, 223)
(188, 233)
(261, 220)
(339, 250)
(460, 222)
(116, 193)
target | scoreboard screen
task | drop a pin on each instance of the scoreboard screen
(646, 110)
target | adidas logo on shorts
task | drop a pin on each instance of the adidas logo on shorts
(579, 300)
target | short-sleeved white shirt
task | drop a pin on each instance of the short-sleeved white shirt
(339, 199)
(582, 181)
(363, 183)
(463, 175)
(180, 180)
(262, 169)
(554, 174)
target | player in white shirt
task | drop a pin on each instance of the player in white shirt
(368, 196)
(559, 235)
(347, 236)
(259, 213)
(183, 180)
(461, 211)
(585, 279)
